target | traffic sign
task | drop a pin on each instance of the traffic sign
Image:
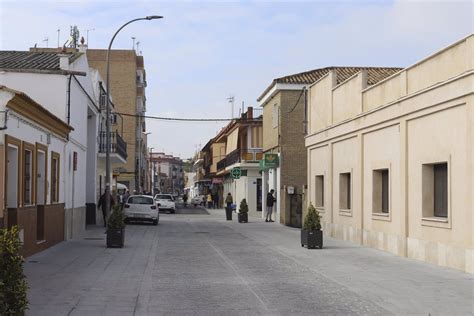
(236, 172)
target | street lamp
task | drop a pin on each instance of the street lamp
(107, 111)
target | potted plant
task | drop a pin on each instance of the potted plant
(116, 228)
(13, 286)
(311, 234)
(243, 212)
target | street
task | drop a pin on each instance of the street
(195, 262)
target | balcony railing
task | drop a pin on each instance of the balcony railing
(240, 155)
(117, 144)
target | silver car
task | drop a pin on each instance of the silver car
(141, 208)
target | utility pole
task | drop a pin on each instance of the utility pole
(59, 31)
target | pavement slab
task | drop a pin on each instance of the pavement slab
(197, 263)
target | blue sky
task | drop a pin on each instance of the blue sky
(202, 52)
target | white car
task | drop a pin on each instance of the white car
(166, 202)
(198, 200)
(141, 208)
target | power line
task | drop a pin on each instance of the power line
(302, 91)
(183, 119)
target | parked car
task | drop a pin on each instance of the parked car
(141, 208)
(166, 202)
(198, 200)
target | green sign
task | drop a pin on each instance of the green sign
(236, 173)
(269, 161)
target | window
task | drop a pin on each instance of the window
(345, 191)
(380, 191)
(27, 180)
(435, 190)
(319, 191)
(275, 117)
(140, 200)
(54, 177)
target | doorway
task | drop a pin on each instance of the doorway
(40, 192)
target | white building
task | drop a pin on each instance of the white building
(61, 83)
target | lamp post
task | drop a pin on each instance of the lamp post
(107, 111)
(140, 153)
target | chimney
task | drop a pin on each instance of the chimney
(64, 61)
(82, 48)
(250, 113)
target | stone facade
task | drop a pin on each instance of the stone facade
(415, 122)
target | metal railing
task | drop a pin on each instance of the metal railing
(240, 155)
(117, 144)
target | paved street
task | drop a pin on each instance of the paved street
(195, 262)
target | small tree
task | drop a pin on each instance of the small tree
(312, 220)
(116, 218)
(243, 208)
(13, 286)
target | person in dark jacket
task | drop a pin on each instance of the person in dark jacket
(270, 202)
(102, 204)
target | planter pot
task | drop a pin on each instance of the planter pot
(243, 217)
(115, 238)
(312, 238)
(228, 213)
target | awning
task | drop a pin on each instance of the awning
(232, 141)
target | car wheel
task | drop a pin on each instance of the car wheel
(172, 211)
(155, 222)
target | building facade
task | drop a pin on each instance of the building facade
(390, 164)
(167, 173)
(284, 130)
(60, 83)
(127, 85)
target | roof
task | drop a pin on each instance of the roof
(24, 60)
(374, 75)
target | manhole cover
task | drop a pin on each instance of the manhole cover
(32, 261)
(94, 238)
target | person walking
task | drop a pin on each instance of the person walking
(103, 206)
(215, 200)
(126, 195)
(185, 199)
(228, 210)
(270, 202)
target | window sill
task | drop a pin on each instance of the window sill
(439, 222)
(379, 216)
(345, 212)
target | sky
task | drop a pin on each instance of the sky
(202, 52)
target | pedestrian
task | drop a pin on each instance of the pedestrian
(209, 200)
(216, 200)
(102, 204)
(270, 201)
(229, 200)
(185, 199)
(126, 195)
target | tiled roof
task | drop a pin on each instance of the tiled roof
(24, 60)
(374, 75)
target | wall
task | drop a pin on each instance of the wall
(401, 134)
(321, 93)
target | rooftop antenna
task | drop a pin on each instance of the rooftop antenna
(87, 35)
(231, 101)
(133, 42)
(47, 41)
(243, 107)
(73, 37)
(59, 32)
(138, 47)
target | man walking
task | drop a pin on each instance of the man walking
(103, 206)
(270, 201)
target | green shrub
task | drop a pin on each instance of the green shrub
(243, 207)
(312, 220)
(13, 286)
(116, 218)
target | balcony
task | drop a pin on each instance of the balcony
(118, 147)
(240, 156)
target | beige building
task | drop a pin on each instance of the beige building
(127, 86)
(390, 164)
(284, 128)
